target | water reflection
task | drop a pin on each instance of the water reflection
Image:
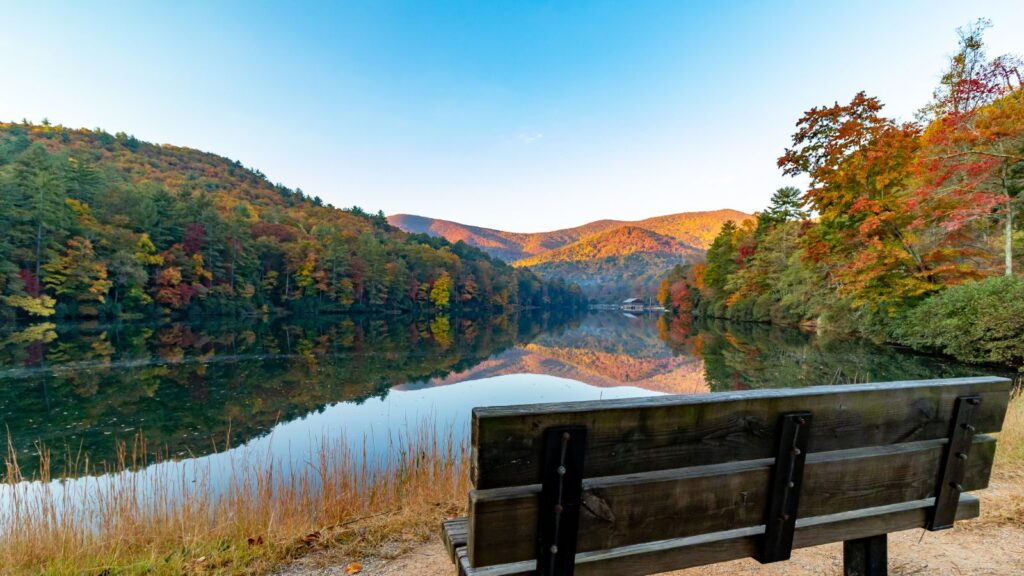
(189, 388)
(186, 386)
(740, 356)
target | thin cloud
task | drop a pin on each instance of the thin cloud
(529, 137)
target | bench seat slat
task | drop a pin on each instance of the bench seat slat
(455, 534)
(678, 553)
(635, 508)
(657, 433)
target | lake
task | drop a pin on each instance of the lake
(186, 391)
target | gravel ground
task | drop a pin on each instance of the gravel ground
(984, 547)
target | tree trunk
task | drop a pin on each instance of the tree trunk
(39, 235)
(39, 250)
(1008, 241)
(334, 277)
(1009, 236)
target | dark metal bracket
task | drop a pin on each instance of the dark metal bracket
(784, 489)
(951, 475)
(561, 493)
(866, 556)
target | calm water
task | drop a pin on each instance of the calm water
(277, 387)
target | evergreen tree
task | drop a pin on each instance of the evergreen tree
(41, 217)
(786, 205)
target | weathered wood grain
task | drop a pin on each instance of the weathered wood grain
(454, 534)
(634, 508)
(678, 553)
(656, 433)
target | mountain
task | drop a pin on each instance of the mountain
(617, 242)
(96, 224)
(615, 263)
(504, 245)
(607, 258)
(697, 229)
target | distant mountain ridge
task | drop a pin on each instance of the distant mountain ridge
(694, 228)
(620, 241)
(608, 258)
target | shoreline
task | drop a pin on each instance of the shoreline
(965, 549)
(812, 327)
(384, 519)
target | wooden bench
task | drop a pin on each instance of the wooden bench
(647, 485)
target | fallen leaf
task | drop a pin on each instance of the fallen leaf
(354, 568)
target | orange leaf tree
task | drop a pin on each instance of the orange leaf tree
(860, 166)
(971, 168)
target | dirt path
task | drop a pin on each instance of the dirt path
(992, 545)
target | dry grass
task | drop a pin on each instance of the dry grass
(1006, 493)
(163, 520)
(158, 521)
(1011, 439)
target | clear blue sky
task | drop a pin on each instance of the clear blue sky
(518, 115)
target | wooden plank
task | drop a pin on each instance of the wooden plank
(454, 534)
(635, 508)
(663, 432)
(678, 553)
(463, 561)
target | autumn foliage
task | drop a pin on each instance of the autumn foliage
(677, 290)
(895, 211)
(105, 225)
(609, 259)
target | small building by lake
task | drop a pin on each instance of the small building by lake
(632, 305)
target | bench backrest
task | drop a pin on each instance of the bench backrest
(639, 486)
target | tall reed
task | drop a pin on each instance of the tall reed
(1011, 439)
(234, 513)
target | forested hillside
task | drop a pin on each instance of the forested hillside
(909, 231)
(616, 242)
(96, 224)
(609, 259)
(615, 264)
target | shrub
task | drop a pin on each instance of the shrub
(981, 322)
(741, 310)
(763, 306)
(840, 317)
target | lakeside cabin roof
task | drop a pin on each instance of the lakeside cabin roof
(631, 301)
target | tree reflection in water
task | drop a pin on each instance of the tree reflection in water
(186, 387)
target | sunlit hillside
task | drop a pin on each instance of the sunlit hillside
(696, 229)
(608, 258)
(621, 241)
